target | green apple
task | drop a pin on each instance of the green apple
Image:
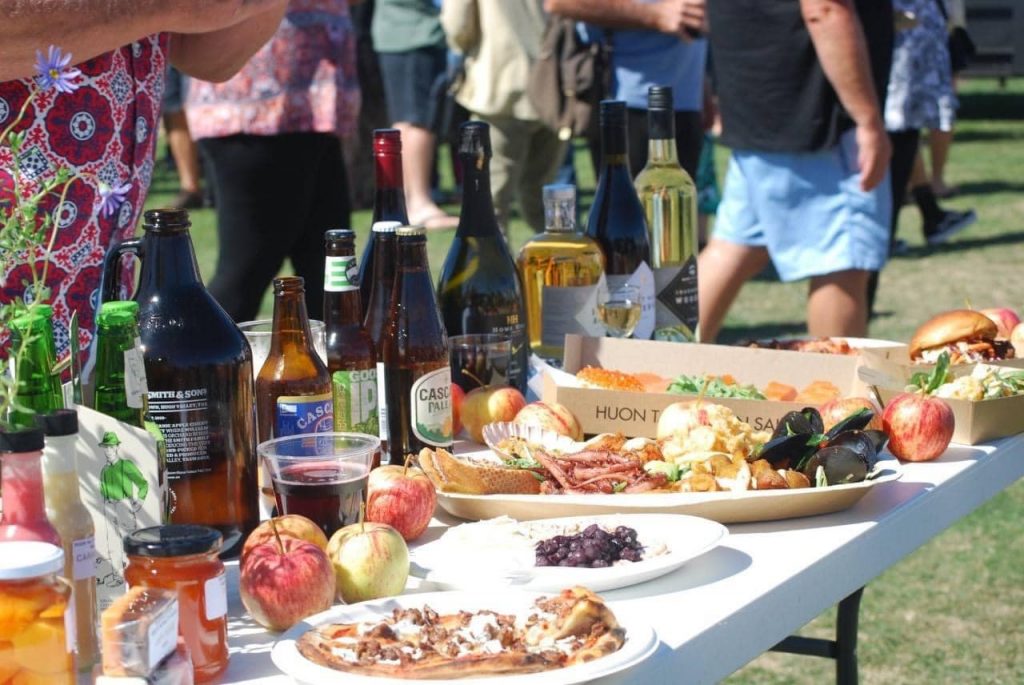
(371, 560)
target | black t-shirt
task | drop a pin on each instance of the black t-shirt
(773, 94)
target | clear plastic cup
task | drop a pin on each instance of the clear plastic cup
(259, 332)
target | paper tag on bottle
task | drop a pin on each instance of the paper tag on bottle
(216, 592)
(162, 635)
(135, 386)
(71, 626)
(382, 405)
(642, 278)
(84, 552)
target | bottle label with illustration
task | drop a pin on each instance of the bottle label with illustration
(84, 563)
(135, 387)
(341, 274)
(642, 278)
(183, 418)
(300, 414)
(431, 407)
(567, 310)
(382, 404)
(355, 401)
(676, 313)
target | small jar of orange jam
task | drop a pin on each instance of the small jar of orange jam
(184, 558)
(37, 639)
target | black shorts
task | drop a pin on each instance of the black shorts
(409, 82)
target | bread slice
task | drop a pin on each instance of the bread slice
(469, 477)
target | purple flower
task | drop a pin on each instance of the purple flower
(53, 71)
(111, 198)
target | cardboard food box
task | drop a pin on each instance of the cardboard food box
(636, 413)
(976, 421)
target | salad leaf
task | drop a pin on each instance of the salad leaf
(619, 487)
(671, 471)
(713, 386)
(522, 463)
(927, 383)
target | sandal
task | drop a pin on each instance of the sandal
(435, 221)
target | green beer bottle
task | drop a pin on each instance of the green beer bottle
(120, 389)
(39, 390)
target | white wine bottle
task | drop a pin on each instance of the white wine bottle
(669, 199)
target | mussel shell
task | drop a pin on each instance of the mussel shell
(807, 421)
(860, 442)
(853, 422)
(842, 464)
(880, 438)
(786, 450)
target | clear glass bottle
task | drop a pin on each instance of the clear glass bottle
(669, 198)
(74, 524)
(560, 270)
(21, 472)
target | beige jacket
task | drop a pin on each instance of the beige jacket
(500, 39)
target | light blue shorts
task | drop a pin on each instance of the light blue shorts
(807, 210)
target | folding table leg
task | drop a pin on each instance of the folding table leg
(843, 649)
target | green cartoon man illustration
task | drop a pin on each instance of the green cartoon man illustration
(123, 488)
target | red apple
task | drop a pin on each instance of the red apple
(919, 427)
(371, 560)
(836, 410)
(1017, 340)
(550, 416)
(487, 405)
(289, 525)
(285, 580)
(402, 497)
(1004, 318)
(458, 395)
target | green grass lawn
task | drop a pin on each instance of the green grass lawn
(951, 612)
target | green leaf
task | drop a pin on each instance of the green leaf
(619, 487)
(939, 374)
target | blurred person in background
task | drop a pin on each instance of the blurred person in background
(412, 53)
(183, 148)
(527, 153)
(941, 140)
(104, 125)
(799, 90)
(273, 136)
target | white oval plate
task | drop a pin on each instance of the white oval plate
(640, 643)
(472, 563)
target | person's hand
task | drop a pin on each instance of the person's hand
(680, 17)
(873, 153)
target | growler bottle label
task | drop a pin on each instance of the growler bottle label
(340, 274)
(182, 416)
(300, 414)
(431, 407)
(355, 401)
(135, 375)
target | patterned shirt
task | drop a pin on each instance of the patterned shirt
(106, 129)
(303, 80)
(921, 91)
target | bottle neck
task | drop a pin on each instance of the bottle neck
(291, 323)
(412, 257)
(342, 304)
(614, 148)
(661, 146)
(389, 193)
(168, 258)
(477, 218)
(59, 455)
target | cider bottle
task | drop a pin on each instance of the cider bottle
(388, 201)
(378, 311)
(120, 389)
(418, 377)
(199, 372)
(351, 355)
(34, 355)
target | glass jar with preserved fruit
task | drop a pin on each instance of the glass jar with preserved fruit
(21, 472)
(183, 558)
(37, 631)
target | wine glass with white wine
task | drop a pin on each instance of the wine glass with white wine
(619, 310)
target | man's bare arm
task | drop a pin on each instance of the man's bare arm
(87, 28)
(218, 55)
(842, 50)
(666, 16)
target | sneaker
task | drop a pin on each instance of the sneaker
(949, 225)
(900, 248)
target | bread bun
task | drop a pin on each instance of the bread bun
(450, 474)
(950, 327)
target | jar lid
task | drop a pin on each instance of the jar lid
(21, 560)
(174, 540)
(58, 422)
(21, 440)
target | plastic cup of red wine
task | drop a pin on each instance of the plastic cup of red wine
(321, 476)
(479, 359)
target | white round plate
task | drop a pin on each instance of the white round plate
(640, 643)
(468, 561)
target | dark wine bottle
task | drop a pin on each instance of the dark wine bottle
(616, 218)
(480, 290)
(388, 200)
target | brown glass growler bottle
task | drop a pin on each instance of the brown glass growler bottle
(351, 354)
(199, 376)
(388, 200)
(479, 290)
(418, 377)
(293, 389)
(379, 309)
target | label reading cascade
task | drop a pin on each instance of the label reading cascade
(304, 414)
(431, 406)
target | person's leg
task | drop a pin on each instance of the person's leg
(185, 153)
(722, 270)
(509, 149)
(937, 224)
(329, 207)
(939, 143)
(544, 155)
(837, 304)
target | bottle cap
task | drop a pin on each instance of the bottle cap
(58, 422)
(612, 113)
(117, 314)
(174, 540)
(560, 206)
(27, 321)
(475, 139)
(21, 440)
(340, 234)
(386, 226)
(659, 97)
(410, 231)
(24, 559)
